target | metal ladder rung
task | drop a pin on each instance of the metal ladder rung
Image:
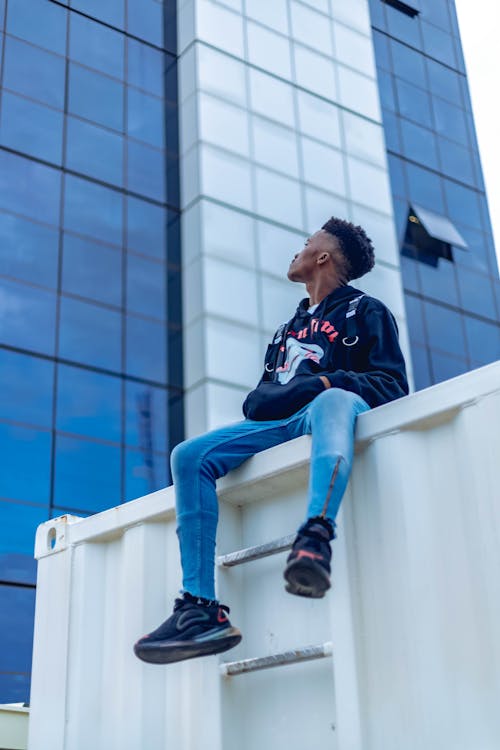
(307, 653)
(255, 553)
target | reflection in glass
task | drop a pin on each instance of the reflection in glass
(94, 151)
(87, 474)
(146, 228)
(444, 329)
(17, 539)
(31, 128)
(92, 270)
(29, 188)
(90, 334)
(88, 403)
(26, 453)
(112, 11)
(483, 341)
(146, 419)
(96, 46)
(145, 67)
(17, 611)
(145, 472)
(146, 287)
(146, 349)
(95, 97)
(144, 19)
(38, 22)
(27, 317)
(146, 170)
(28, 250)
(34, 72)
(27, 386)
(93, 210)
(145, 118)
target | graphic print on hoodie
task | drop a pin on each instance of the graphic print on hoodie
(310, 345)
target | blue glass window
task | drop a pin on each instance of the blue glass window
(450, 120)
(31, 128)
(463, 204)
(419, 144)
(146, 416)
(39, 22)
(95, 97)
(17, 540)
(477, 257)
(94, 151)
(409, 271)
(14, 687)
(397, 174)
(414, 103)
(34, 72)
(438, 44)
(146, 170)
(145, 67)
(145, 117)
(26, 453)
(444, 82)
(445, 367)
(17, 612)
(444, 329)
(408, 64)
(456, 161)
(27, 317)
(415, 318)
(111, 11)
(381, 44)
(425, 188)
(146, 287)
(146, 349)
(144, 19)
(27, 385)
(439, 282)
(2, 12)
(144, 473)
(146, 228)
(87, 474)
(90, 334)
(377, 14)
(29, 188)
(93, 210)
(89, 403)
(392, 132)
(421, 367)
(403, 27)
(476, 292)
(386, 90)
(96, 46)
(92, 270)
(436, 11)
(28, 250)
(483, 341)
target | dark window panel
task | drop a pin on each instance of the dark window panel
(445, 366)
(476, 292)
(14, 688)
(145, 67)
(17, 612)
(89, 403)
(31, 128)
(38, 22)
(146, 228)
(28, 317)
(439, 282)
(425, 188)
(146, 349)
(419, 144)
(145, 118)
(421, 367)
(483, 340)
(34, 72)
(87, 474)
(409, 271)
(144, 473)
(96, 46)
(463, 204)
(92, 270)
(94, 151)
(93, 210)
(444, 329)
(146, 287)
(17, 540)
(414, 103)
(111, 11)
(95, 97)
(456, 161)
(444, 82)
(397, 175)
(408, 64)
(146, 417)
(145, 20)
(415, 319)
(146, 170)
(28, 251)
(382, 54)
(403, 27)
(90, 334)
(26, 453)
(29, 188)
(450, 120)
(27, 386)
(439, 44)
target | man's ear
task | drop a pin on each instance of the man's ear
(323, 258)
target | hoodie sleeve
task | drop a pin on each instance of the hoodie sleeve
(382, 371)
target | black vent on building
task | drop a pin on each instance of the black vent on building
(409, 10)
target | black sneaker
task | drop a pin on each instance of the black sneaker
(194, 629)
(308, 565)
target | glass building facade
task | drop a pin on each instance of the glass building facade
(90, 329)
(453, 298)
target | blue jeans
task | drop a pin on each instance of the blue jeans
(196, 464)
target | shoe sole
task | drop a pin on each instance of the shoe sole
(306, 578)
(168, 652)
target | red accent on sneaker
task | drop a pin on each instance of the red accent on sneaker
(306, 553)
(221, 616)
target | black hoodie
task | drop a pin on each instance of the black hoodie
(310, 345)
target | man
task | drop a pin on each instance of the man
(336, 358)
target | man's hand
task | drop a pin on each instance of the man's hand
(325, 381)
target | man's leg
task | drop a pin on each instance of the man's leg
(331, 418)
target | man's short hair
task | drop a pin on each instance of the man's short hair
(355, 246)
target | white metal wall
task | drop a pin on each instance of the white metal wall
(413, 616)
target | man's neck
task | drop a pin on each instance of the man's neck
(318, 290)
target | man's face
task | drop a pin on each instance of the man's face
(305, 265)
